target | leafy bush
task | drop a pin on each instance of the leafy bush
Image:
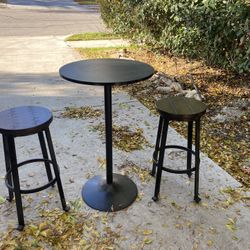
(215, 30)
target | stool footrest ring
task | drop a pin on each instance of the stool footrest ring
(174, 171)
(177, 147)
(185, 171)
(181, 148)
(34, 190)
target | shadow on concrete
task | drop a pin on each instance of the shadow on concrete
(47, 89)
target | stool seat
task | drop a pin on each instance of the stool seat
(180, 108)
(24, 120)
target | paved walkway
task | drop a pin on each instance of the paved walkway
(51, 5)
(43, 18)
(29, 76)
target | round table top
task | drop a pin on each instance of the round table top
(106, 71)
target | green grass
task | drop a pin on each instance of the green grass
(93, 36)
(99, 52)
(86, 2)
(105, 52)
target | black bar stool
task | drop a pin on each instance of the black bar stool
(178, 108)
(24, 121)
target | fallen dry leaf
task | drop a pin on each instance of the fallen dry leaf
(147, 241)
(147, 232)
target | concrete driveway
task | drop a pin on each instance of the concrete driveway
(38, 18)
(32, 49)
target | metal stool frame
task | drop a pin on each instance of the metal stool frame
(159, 152)
(12, 175)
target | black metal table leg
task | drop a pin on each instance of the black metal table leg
(156, 152)
(117, 191)
(189, 146)
(197, 161)
(161, 159)
(108, 129)
(8, 166)
(56, 170)
(18, 198)
(45, 155)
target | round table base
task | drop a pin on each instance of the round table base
(109, 197)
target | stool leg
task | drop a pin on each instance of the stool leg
(56, 170)
(45, 155)
(15, 176)
(156, 152)
(8, 166)
(197, 161)
(189, 146)
(161, 159)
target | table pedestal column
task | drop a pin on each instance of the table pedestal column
(108, 129)
(117, 191)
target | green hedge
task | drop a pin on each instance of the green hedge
(217, 31)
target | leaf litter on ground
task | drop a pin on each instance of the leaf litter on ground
(84, 112)
(63, 230)
(124, 137)
(129, 168)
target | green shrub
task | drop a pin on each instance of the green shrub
(115, 15)
(214, 30)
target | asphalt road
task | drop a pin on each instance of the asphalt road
(38, 18)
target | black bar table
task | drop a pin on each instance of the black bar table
(117, 191)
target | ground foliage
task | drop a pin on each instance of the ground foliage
(129, 168)
(227, 141)
(234, 195)
(56, 229)
(214, 30)
(73, 230)
(84, 112)
(124, 137)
